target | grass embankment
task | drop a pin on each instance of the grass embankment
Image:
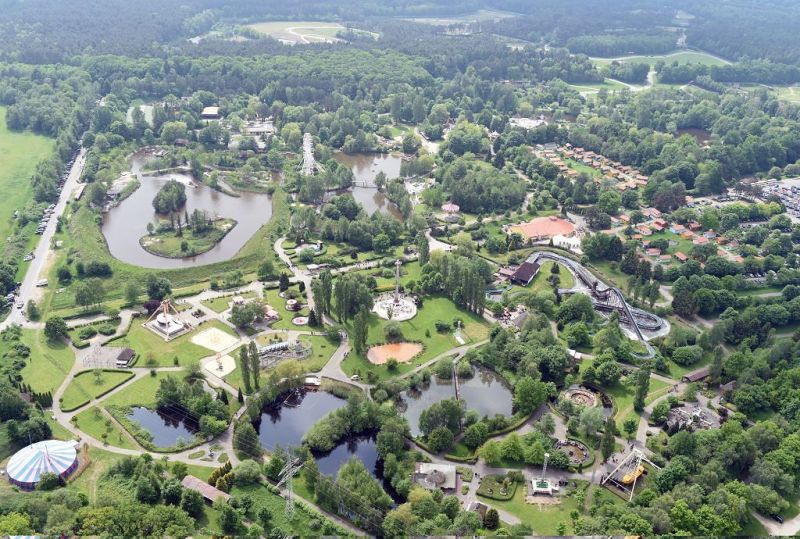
(83, 240)
(100, 426)
(420, 329)
(190, 243)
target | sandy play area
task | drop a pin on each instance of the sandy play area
(212, 366)
(401, 351)
(214, 339)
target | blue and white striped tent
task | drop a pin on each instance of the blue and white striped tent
(26, 467)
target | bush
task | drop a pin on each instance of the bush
(442, 327)
(393, 332)
(87, 333)
(247, 473)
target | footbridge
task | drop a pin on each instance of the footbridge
(605, 298)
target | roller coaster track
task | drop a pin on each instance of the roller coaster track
(607, 298)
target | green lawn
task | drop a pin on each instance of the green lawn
(788, 93)
(19, 155)
(540, 282)
(142, 392)
(150, 346)
(299, 526)
(169, 245)
(543, 519)
(623, 398)
(475, 329)
(48, 363)
(85, 386)
(273, 299)
(74, 334)
(580, 167)
(95, 423)
(221, 304)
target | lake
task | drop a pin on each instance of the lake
(126, 223)
(486, 392)
(166, 427)
(365, 167)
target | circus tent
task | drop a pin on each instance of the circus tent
(27, 465)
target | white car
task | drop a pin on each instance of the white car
(20, 304)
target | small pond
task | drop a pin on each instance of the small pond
(700, 135)
(126, 223)
(486, 392)
(365, 167)
(294, 413)
(166, 426)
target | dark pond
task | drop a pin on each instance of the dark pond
(293, 414)
(362, 447)
(126, 223)
(166, 426)
(365, 167)
(700, 135)
(486, 393)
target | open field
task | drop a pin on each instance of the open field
(19, 154)
(302, 32)
(48, 363)
(420, 329)
(788, 93)
(682, 57)
(480, 15)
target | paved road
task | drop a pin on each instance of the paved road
(42, 251)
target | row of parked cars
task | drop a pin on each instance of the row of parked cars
(48, 213)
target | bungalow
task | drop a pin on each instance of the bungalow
(644, 231)
(625, 218)
(681, 257)
(700, 240)
(696, 375)
(525, 273)
(694, 226)
(209, 493)
(656, 226)
(125, 357)
(652, 213)
(665, 258)
(677, 228)
(710, 234)
(687, 235)
(653, 251)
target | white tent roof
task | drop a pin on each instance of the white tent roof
(29, 463)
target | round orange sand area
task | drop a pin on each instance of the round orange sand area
(401, 351)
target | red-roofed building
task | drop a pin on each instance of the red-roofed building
(700, 240)
(681, 257)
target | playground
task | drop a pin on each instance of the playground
(214, 339)
(403, 352)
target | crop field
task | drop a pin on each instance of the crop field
(19, 154)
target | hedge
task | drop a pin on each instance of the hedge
(496, 495)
